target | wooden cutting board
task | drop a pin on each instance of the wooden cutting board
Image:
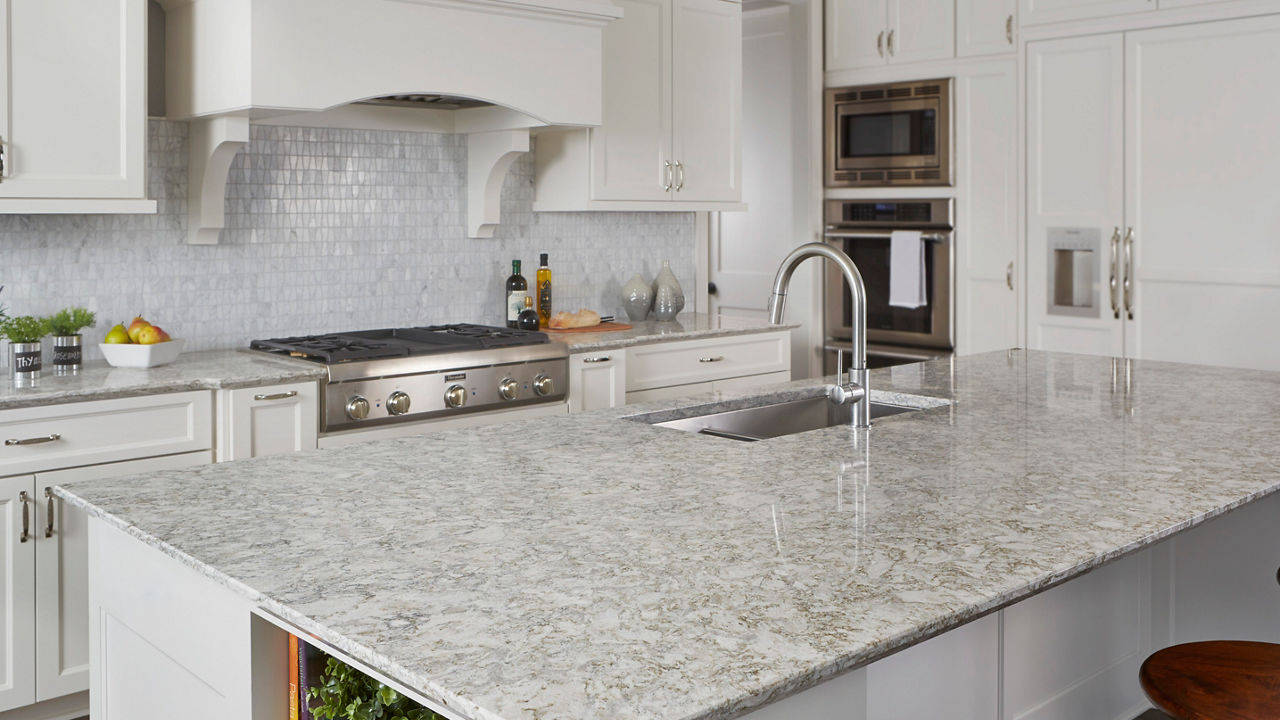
(602, 327)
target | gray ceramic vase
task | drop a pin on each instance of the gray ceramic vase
(668, 296)
(637, 298)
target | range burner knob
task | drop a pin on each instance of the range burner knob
(357, 408)
(455, 396)
(542, 385)
(508, 389)
(398, 403)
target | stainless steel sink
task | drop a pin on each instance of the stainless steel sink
(778, 419)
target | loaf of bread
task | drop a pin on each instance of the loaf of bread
(582, 318)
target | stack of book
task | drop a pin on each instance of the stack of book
(306, 664)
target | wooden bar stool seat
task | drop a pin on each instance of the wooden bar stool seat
(1219, 680)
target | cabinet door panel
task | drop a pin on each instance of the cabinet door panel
(597, 380)
(986, 244)
(922, 30)
(270, 421)
(17, 596)
(1075, 179)
(632, 144)
(985, 27)
(963, 668)
(1202, 155)
(62, 574)
(1074, 651)
(73, 113)
(855, 31)
(1035, 12)
(707, 100)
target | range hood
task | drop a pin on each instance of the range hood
(491, 69)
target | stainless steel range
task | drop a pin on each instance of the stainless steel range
(404, 375)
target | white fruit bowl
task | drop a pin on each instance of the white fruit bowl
(142, 356)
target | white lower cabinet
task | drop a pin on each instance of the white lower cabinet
(597, 380)
(260, 421)
(665, 370)
(44, 601)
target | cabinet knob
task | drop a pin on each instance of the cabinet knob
(712, 289)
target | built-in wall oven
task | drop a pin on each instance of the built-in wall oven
(864, 229)
(888, 135)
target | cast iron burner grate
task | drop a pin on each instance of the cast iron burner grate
(331, 348)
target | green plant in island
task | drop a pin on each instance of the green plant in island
(345, 693)
(24, 328)
(70, 321)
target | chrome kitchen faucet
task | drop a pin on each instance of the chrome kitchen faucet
(855, 389)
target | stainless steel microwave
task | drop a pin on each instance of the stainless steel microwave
(889, 135)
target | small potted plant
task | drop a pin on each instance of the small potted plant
(345, 693)
(65, 326)
(25, 357)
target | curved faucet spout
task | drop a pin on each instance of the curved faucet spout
(858, 291)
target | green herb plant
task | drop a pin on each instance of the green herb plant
(3, 314)
(345, 693)
(24, 328)
(70, 321)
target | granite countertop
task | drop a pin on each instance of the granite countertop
(593, 566)
(686, 326)
(191, 371)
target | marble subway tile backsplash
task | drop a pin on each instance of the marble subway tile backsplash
(327, 230)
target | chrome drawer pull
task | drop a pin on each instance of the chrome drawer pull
(25, 499)
(602, 358)
(48, 528)
(33, 441)
(276, 396)
(716, 358)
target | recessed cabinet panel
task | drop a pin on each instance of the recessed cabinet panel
(855, 31)
(985, 27)
(269, 420)
(707, 101)
(1036, 12)
(597, 380)
(921, 30)
(628, 150)
(17, 593)
(73, 106)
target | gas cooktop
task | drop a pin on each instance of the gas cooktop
(398, 342)
(412, 374)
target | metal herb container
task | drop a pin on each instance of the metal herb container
(25, 360)
(67, 354)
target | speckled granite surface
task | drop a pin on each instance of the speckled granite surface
(593, 566)
(686, 326)
(191, 371)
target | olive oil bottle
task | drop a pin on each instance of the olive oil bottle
(544, 291)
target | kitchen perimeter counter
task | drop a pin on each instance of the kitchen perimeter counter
(686, 326)
(213, 370)
(595, 566)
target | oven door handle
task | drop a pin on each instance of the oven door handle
(938, 237)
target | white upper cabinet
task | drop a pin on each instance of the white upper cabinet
(862, 33)
(73, 106)
(671, 134)
(855, 33)
(1036, 12)
(985, 27)
(628, 151)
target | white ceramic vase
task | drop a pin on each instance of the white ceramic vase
(668, 296)
(637, 298)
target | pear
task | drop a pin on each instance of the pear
(117, 335)
(151, 334)
(136, 326)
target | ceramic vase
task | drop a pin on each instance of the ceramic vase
(637, 298)
(668, 296)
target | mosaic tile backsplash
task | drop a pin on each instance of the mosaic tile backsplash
(327, 230)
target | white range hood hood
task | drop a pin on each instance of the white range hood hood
(531, 63)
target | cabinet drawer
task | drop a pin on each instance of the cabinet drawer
(693, 361)
(105, 431)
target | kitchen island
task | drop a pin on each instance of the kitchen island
(597, 566)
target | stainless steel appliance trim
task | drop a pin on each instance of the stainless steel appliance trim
(440, 362)
(941, 210)
(889, 162)
(833, 109)
(883, 234)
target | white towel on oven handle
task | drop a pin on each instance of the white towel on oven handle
(906, 269)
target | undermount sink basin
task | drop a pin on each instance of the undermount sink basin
(776, 420)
